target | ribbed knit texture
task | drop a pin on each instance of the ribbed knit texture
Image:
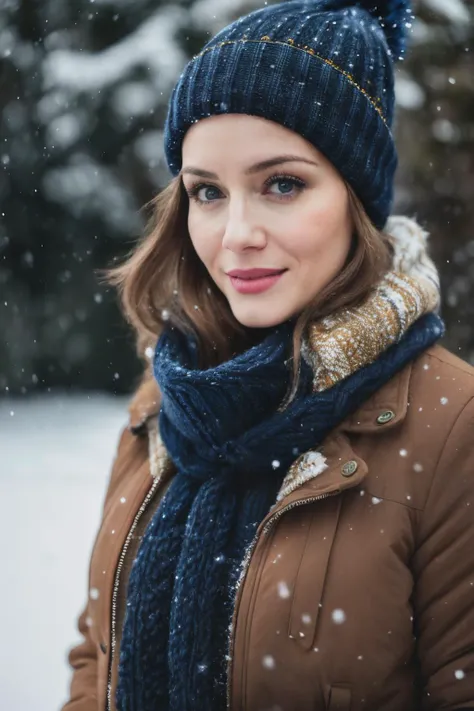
(323, 68)
(232, 449)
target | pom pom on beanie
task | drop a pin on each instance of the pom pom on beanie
(394, 16)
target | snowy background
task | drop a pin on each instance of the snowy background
(84, 89)
(84, 86)
(55, 457)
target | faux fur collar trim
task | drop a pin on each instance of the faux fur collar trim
(342, 343)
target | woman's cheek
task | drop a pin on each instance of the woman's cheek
(204, 247)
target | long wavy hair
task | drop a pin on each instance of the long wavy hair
(163, 281)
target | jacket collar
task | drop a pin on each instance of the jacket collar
(335, 466)
(384, 409)
(391, 398)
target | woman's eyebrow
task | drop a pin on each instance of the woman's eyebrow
(257, 167)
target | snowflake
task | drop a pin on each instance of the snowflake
(268, 662)
(338, 616)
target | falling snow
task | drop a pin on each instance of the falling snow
(455, 11)
(98, 98)
(83, 190)
(268, 662)
(338, 616)
(283, 590)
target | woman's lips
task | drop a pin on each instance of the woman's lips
(255, 286)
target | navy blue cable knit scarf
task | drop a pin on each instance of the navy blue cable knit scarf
(232, 449)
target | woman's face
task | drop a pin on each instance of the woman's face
(290, 216)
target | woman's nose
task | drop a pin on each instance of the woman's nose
(241, 231)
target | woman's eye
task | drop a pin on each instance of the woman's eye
(194, 191)
(286, 185)
(289, 187)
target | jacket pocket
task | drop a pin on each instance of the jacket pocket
(339, 698)
(312, 572)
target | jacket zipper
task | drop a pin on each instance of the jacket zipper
(246, 564)
(113, 636)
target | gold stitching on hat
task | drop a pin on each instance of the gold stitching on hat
(375, 101)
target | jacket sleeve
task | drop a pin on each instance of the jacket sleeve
(444, 575)
(83, 660)
(83, 657)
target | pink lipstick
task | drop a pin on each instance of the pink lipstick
(254, 281)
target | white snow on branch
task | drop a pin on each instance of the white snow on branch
(86, 187)
(453, 10)
(409, 93)
(133, 98)
(213, 15)
(64, 130)
(151, 45)
(112, 3)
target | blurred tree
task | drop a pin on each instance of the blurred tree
(83, 98)
(436, 136)
(84, 87)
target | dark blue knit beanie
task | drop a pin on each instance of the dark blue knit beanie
(322, 68)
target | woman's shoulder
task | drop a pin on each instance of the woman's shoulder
(440, 378)
(423, 416)
(440, 419)
(427, 443)
(448, 362)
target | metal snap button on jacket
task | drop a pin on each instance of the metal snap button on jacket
(385, 417)
(349, 468)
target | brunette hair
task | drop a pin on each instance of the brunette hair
(162, 280)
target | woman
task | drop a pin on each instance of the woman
(289, 522)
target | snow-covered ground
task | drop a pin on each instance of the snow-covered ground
(55, 458)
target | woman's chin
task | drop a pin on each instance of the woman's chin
(255, 317)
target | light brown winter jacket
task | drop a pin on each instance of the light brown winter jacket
(358, 592)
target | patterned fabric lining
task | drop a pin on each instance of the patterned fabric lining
(344, 342)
